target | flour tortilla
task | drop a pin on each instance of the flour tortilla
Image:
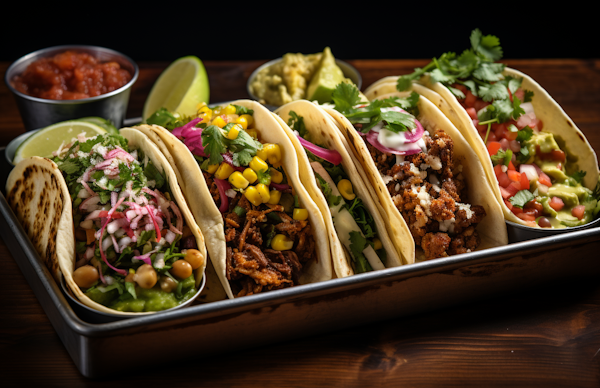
(580, 154)
(40, 198)
(207, 213)
(492, 230)
(323, 131)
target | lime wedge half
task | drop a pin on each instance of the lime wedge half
(101, 122)
(326, 78)
(179, 88)
(49, 139)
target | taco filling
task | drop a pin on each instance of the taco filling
(134, 252)
(420, 172)
(536, 182)
(268, 234)
(353, 222)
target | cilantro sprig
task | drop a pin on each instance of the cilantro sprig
(346, 99)
(215, 143)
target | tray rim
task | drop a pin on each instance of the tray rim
(235, 306)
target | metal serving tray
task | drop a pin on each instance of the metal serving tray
(282, 315)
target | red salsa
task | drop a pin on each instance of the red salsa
(70, 76)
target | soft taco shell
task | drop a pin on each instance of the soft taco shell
(580, 154)
(492, 229)
(34, 173)
(323, 131)
(207, 213)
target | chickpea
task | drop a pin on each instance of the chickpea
(167, 284)
(181, 269)
(194, 257)
(85, 276)
(145, 276)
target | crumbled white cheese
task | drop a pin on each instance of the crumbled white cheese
(435, 162)
(424, 199)
(387, 179)
(467, 208)
(447, 225)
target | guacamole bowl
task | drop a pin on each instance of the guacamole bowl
(347, 69)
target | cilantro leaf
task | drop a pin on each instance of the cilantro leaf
(214, 144)
(357, 246)
(488, 45)
(296, 123)
(332, 200)
(502, 157)
(521, 198)
(345, 96)
(578, 176)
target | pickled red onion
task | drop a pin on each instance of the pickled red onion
(372, 139)
(223, 186)
(332, 156)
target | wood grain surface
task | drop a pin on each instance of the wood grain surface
(547, 336)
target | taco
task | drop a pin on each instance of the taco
(542, 170)
(120, 232)
(359, 239)
(241, 174)
(423, 169)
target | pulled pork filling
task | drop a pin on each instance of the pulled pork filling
(427, 188)
(252, 266)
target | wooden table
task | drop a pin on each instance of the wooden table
(547, 336)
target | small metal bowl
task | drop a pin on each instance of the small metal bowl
(88, 314)
(518, 233)
(348, 70)
(39, 112)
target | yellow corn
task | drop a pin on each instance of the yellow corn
(262, 153)
(250, 175)
(275, 196)
(377, 244)
(223, 171)
(258, 164)
(300, 214)
(242, 121)
(229, 110)
(276, 176)
(273, 153)
(264, 193)
(237, 180)
(281, 243)
(252, 132)
(253, 196)
(234, 132)
(249, 119)
(212, 168)
(219, 122)
(345, 188)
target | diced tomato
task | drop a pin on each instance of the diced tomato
(526, 216)
(508, 204)
(117, 215)
(578, 211)
(516, 186)
(516, 210)
(103, 214)
(499, 130)
(511, 135)
(460, 87)
(524, 182)
(511, 166)
(470, 99)
(506, 194)
(556, 203)
(501, 176)
(558, 155)
(544, 179)
(514, 175)
(493, 147)
(480, 104)
(540, 125)
(472, 112)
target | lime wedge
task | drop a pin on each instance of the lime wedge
(101, 122)
(326, 78)
(179, 88)
(49, 139)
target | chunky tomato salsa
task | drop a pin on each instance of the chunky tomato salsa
(70, 75)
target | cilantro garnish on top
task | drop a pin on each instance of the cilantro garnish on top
(346, 99)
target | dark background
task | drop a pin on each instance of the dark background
(234, 31)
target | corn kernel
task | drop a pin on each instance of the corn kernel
(249, 119)
(253, 196)
(282, 243)
(252, 132)
(234, 132)
(212, 168)
(377, 245)
(300, 214)
(237, 180)
(262, 153)
(276, 176)
(229, 110)
(219, 122)
(258, 164)
(345, 188)
(264, 193)
(274, 153)
(275, 196)
(242, 121)
(250, 175)
(223, 171)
